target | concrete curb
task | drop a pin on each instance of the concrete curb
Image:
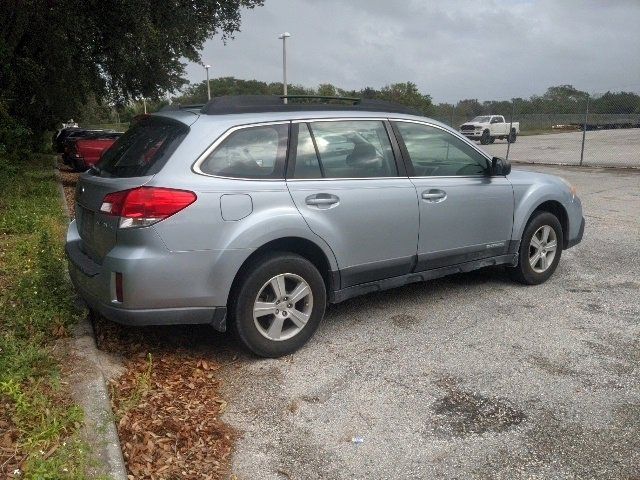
(90, 390)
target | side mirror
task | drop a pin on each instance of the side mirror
(500, 166)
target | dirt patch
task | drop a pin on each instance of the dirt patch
(461, 413)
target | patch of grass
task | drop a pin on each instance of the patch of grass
(36, 308)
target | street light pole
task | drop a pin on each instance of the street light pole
(283, 37)
(207, 67)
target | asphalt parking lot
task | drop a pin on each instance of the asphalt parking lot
(602, 148)
(470, 376)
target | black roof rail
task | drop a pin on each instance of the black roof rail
(354, 100)
(229, 104)
(177, 106)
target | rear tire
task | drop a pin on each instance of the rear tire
(540, 249)
(512, 137)
(278, 305)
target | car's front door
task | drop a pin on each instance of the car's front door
(345, 181)
(465, 213)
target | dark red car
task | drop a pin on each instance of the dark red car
(85, 152)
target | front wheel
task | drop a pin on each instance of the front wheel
(279, 305)
(540, 249)
(485, 138)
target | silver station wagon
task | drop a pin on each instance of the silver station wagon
(251, 215)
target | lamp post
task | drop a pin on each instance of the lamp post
(283, 37)
(207, 67)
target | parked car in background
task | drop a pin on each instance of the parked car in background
(71, 135)
(61, 135)
(488, 128)
(252, 214)
(85, 152)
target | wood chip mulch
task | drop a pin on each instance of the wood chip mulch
(69, 179)
(167, 402)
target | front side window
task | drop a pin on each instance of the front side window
(436, 152)
(252, 152)
(345, 149)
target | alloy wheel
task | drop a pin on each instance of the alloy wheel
(283, 306)
(542, 249)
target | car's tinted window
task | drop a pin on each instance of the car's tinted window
(252, 152)
(143, 149)
(435, 152)
(352, 149)
(307, 164)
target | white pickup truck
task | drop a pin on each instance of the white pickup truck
(487, 128)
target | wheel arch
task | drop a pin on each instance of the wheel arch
(552, 206)
(291, 244)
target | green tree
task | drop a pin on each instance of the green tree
(407, 94)
(55, 54)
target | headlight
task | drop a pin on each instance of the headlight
(572, 189)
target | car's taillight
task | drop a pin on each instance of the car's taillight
(143, 206)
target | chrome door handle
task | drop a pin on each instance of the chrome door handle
(321, 199)
(434, 195)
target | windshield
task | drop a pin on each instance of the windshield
(143, 149)
(484, 119)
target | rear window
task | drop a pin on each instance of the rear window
(143, 149)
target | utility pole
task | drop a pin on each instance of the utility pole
(144, 102)
(207, 67)
(584, 130)
(513, 110)
(283, 37)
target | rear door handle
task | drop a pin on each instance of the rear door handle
(322, 200)
(434, 195)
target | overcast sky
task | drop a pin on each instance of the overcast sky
(484, 49)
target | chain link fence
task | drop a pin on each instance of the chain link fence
(569, 136)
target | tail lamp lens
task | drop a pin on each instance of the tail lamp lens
(143, 206)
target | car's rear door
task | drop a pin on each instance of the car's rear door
(465, 214)
(344, 178)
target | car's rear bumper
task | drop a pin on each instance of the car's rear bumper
(215, 316)
(95, 286)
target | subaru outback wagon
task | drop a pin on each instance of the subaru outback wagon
(251, 214)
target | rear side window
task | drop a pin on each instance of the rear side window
(252, 152)
(345, 149)
(143, 149)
